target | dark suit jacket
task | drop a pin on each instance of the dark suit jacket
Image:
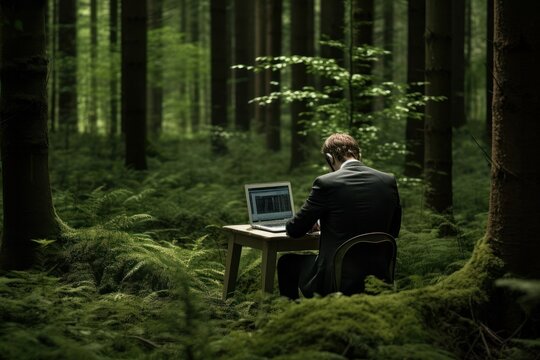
(354, 200)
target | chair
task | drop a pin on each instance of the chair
(363, 255)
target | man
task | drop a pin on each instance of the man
(351, 200)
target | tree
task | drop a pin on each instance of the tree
(92, 114)
(27, 207)
(414, 133)
(273, 48)
(388, 39)
(219, 71)
(155, 25)
(196, 89)
(332, 28)
(243, 55)
(513, 225)
(260, 50)
(362, 35)
(113, 78)
(458, 63)
(438, 121)
(67, 76)
(53, 65)
(489, 68)
(302, 43)
(134, 42)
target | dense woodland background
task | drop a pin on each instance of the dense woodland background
(128, 129)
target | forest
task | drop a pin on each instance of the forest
(129, 128)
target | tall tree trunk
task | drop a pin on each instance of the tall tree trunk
(260, 50)
(155, 24)
(302, 43)
(67, 76)
(458, 63)
(414, 133)
(219, 71)
(489, 69)
(113, 77)
(513, 225)
(362, 35)
(27, 206)
(134, 43)
(92, 115)
(196, 90)
(53, 65)
(274, 10)
(332, 22)
(242, 56)
(438, 120)
(388, 39)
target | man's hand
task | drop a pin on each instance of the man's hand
(315, 228)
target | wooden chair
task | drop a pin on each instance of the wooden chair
(363, 255)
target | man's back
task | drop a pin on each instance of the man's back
(351, 201)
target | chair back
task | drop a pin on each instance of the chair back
(363, 255)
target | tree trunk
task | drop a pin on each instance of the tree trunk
(362, 35)
(92, 114)
(113, 78)
(219, 71)
(27, 205)
(302, 43)
(242, 56)
(438, 120)
(513, 225)
(332, 24)
(388, 39)
(274, 9)
(155, 24)
(54, 65)
(67, 76)
(260, 50)
(489, 69)
(414, 133)
(134, 42)
(196, 90)
(458, 63)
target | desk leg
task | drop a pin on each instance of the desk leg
(231, 269)
(268, 268)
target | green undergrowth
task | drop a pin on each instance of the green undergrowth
(138, 273)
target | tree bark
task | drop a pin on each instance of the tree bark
(219, 72)
(242, 56)
(67, 76)
(134, 43)
(332, 25)
(274, 9)
(302, 43)
(438, 121)
(113, 77)
(513, 225)
(196, 89)
(155, 24)
(260, 50)
(27, 200)
(388, 39)
(458, 63)
(54, 65)
(362, 35)
(489, 69)
(92, 114)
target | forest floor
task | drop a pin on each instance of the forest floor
(138, 273)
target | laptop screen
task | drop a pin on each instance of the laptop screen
(270, 203)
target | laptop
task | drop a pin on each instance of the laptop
(270, 205)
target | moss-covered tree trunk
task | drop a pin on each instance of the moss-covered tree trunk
(414, 133)
(438, 120)
(27, 205)
(134, 42)
(513, 225)
(273, 48)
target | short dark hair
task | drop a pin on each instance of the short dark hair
(340, 145)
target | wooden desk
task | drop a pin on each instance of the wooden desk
(270, 243)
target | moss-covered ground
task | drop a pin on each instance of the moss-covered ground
(138, 271)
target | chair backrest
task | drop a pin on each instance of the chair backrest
(363, 255)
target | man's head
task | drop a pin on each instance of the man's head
(342, 147)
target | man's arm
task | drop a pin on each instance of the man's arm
(310, 212)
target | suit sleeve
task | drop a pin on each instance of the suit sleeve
(310, 212)
(395, 224)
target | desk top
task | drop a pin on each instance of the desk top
(246, 229)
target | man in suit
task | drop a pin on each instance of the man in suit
(351, 200)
